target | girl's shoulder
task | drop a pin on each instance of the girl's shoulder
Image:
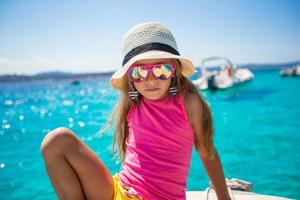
(191, 98)
(193, 105)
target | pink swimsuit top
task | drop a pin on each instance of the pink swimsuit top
(159, 148)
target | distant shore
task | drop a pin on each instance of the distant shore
(51, 76)
(56, 75)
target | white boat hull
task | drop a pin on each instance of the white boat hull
(223, 81)
(291, 71)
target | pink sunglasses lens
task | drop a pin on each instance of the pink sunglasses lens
(163, 71)
(137, 74)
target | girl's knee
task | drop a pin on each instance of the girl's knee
(57, 139)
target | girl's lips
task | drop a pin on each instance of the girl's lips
(152, 89)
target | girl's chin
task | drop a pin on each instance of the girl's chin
(154, 96)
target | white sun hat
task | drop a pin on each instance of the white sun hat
(150, 40)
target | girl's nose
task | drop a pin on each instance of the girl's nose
(151, 77)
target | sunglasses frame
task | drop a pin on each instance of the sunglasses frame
(149, 68)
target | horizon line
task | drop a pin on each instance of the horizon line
(111, 71)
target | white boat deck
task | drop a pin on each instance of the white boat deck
(238, 195)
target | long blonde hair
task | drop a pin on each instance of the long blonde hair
(185, 86)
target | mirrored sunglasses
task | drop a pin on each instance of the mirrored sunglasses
(140, 73)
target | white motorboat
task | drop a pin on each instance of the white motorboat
(290, 71)
(227, 76)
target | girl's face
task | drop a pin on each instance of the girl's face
(153, 88)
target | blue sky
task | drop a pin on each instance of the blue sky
(86, 36)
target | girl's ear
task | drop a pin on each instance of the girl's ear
(128, 83)
(173, 80)
(131, 86)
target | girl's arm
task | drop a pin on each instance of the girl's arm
(213, 165)
(214, 170)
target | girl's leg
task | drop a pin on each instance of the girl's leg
(74, 170)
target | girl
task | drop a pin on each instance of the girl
(159, 117)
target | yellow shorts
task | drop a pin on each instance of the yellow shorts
(121, 192)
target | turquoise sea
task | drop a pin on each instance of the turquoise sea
(257, 132)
